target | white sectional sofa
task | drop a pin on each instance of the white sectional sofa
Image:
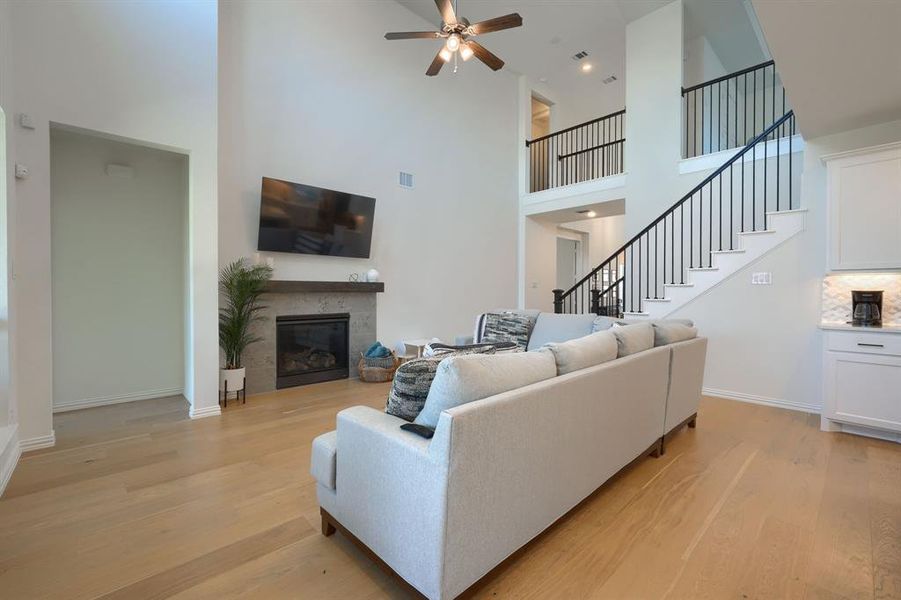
(444, 512)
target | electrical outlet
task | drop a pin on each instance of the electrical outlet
(764, 278)
(21, 172)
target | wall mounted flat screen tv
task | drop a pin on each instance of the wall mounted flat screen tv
(310, 220)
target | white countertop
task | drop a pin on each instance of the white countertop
(849, 327)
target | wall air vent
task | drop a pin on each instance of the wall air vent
(580, 55)
(610, 79)
(405, 180)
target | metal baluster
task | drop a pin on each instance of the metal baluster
(720, 211)
(754, 185)
(691, 231)
(791, 133)
(682, 243)
(655, 260)
(731, 217)
(694, 146)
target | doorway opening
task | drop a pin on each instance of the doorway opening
(569, 262)
(119, 271)
(541, 117)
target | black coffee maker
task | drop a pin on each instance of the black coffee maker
(866, 308)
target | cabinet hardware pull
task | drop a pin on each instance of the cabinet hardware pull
(871, 345)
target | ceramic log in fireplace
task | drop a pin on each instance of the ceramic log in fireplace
(311, 348)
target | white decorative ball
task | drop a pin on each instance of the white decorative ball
(372, 275)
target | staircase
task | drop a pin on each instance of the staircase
(741, 211)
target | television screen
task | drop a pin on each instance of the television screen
(310, 220)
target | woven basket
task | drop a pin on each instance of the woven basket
(378, 374)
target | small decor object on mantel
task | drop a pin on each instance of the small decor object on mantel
(372, 275)
(241, 286)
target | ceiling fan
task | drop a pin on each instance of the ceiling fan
(457, 35)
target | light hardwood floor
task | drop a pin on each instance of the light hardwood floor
(138, 501)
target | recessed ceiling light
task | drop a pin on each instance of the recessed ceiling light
(591, 214)
(586, 67)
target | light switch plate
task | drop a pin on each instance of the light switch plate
(763, 278)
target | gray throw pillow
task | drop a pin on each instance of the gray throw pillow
(463, 379)
(631, 339)
(507, 327)
(670, 332)
(413, 379)
(604, 323)
(584, 352)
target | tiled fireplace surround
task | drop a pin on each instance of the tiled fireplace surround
(310, 298)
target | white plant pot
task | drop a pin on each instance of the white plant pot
(232, 379)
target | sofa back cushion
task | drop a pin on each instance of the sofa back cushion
(463, 379)
(631, 339)
(583, 352)
(670, 332)
(551, 327)
(413, 379)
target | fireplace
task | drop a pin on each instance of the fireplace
(311, 348)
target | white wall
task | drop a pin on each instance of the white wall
(118, 255)
(700, 62)
(653, 100)
(144, 71)
(764, 341)
(302, 103)
(605, 235)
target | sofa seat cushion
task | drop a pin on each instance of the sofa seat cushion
(670, 332)
(323, 460)
(464, 379)
(631, 339)
(584, 352)
(551, 327)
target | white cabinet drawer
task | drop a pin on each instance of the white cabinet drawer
(868, 342)
(863, 389)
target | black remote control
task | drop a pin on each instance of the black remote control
(420, 430)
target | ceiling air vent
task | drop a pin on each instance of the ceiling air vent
(610, 79)
(405, 180)
(580, 55)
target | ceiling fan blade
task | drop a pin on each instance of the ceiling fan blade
(447, 12)
(497, 24)
(493, 62)
(412, 35)
(436, 65)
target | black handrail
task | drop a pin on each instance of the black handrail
(738, 73)
(586, 151)
(728, 111)
(617, 261)
(574, 127)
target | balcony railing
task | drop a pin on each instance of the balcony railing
(590, 150)
(729, 111)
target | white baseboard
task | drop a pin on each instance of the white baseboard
(9, 455)
(764, 400)
(36, 443)
(107, 400)
(206, 411)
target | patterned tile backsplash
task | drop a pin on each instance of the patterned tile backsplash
(837, 295)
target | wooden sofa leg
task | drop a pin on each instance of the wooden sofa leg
(657, 452)
(694, 421)
(327, 527)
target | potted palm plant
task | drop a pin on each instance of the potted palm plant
(241, 286)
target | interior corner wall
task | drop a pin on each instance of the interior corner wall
(540, 264)
(764, 341)
(653, 131)
(118, 252)
(605, 236)
(700, 62)
(348, 112)
(141, 71)
(8, 399)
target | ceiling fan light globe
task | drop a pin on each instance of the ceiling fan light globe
(466, 52)
(453, 42)
(445, 54)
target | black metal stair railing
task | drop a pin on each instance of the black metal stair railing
(590, 150)
(729, 111)
(734, 199)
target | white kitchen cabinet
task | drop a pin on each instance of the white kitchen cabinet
(864, 208)
(862, 380)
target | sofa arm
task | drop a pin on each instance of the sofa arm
(323, 459)
(391, 489)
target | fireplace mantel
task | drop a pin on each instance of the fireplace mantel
(293, 287)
